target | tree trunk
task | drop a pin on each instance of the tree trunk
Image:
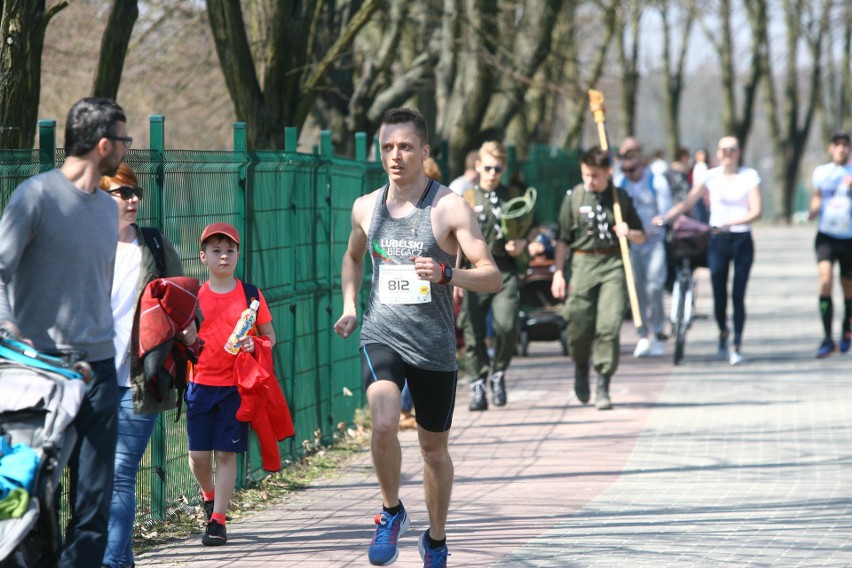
(577, 119)
(235, 58)
(532, 43)
(673, 77)
(629, 58)
(299, 46)
(789, 139)
(114, 45)
(22, 28)
(461, 112)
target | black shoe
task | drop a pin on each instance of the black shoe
(662, 336)
(215, 535)
(477, 401)
(498, 389)
(581, 381)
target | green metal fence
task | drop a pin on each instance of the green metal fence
(293, 211)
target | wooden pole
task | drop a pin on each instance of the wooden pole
(596, 103)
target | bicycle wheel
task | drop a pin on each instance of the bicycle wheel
(679, 324)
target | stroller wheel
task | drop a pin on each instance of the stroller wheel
(84, 369)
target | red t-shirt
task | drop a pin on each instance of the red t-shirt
(215, 366)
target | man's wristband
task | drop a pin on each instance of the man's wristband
(446, 274)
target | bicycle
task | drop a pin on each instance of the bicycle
(687, 239)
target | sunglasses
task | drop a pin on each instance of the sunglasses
(495, 169)
(630, 170)
(127, 140)
(729, 149)
(126, 192)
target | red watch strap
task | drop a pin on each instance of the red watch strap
(443, 274)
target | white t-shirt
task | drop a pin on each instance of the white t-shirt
(128, 264)
(699, 172)
(835, 212)
(729, 197)
(460, 185)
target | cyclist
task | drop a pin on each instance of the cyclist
(735, 202)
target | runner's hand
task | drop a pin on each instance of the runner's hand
(427, 269)
(346, 325)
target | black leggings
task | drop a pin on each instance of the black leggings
(724, 249)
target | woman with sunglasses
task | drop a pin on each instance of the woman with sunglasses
(735, 203)
(135, 266)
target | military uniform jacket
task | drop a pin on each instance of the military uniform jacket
(586, 220)
(487, 206)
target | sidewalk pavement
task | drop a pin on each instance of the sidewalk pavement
(700, 464)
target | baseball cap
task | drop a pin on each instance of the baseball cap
(220, 229)
(838, 136)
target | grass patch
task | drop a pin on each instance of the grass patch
(320, 462)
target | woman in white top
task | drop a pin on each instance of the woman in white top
(135, 266)
(735, 202)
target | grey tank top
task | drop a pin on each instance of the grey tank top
(422, 334)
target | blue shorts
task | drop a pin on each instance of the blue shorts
(211, 419)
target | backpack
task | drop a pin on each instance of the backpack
(154, 241)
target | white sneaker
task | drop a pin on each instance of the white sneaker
(656, 348)
(736, 358)
(643, 347)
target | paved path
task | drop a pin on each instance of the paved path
(702, 464)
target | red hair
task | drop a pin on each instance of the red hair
(124, 176)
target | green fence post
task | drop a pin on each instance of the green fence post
(326, 148)
(157, 129)
(511, 164)
(241, 150)
(360, 146)
(46, 145)
(159, 473)
(291, 139)
(324, 411)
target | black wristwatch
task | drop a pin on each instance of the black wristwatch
(446, 274)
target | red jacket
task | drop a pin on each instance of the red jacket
(167, 306)
(263, 404)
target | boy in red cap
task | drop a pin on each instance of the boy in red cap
(212, 399)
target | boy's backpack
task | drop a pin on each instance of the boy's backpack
(251, 293)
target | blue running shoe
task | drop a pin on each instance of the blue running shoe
(432, 557)
(383, 549)
(845, 342)
(826, 348)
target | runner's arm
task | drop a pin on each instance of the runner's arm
(483, 276)
(352, 270)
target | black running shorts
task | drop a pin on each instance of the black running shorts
(835, 250)
(433, 392)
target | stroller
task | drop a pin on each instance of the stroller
(39, 397)
(540, 317)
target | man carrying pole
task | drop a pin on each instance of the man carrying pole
(595, 222)
(595, 306)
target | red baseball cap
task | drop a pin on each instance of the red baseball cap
(220, 229)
